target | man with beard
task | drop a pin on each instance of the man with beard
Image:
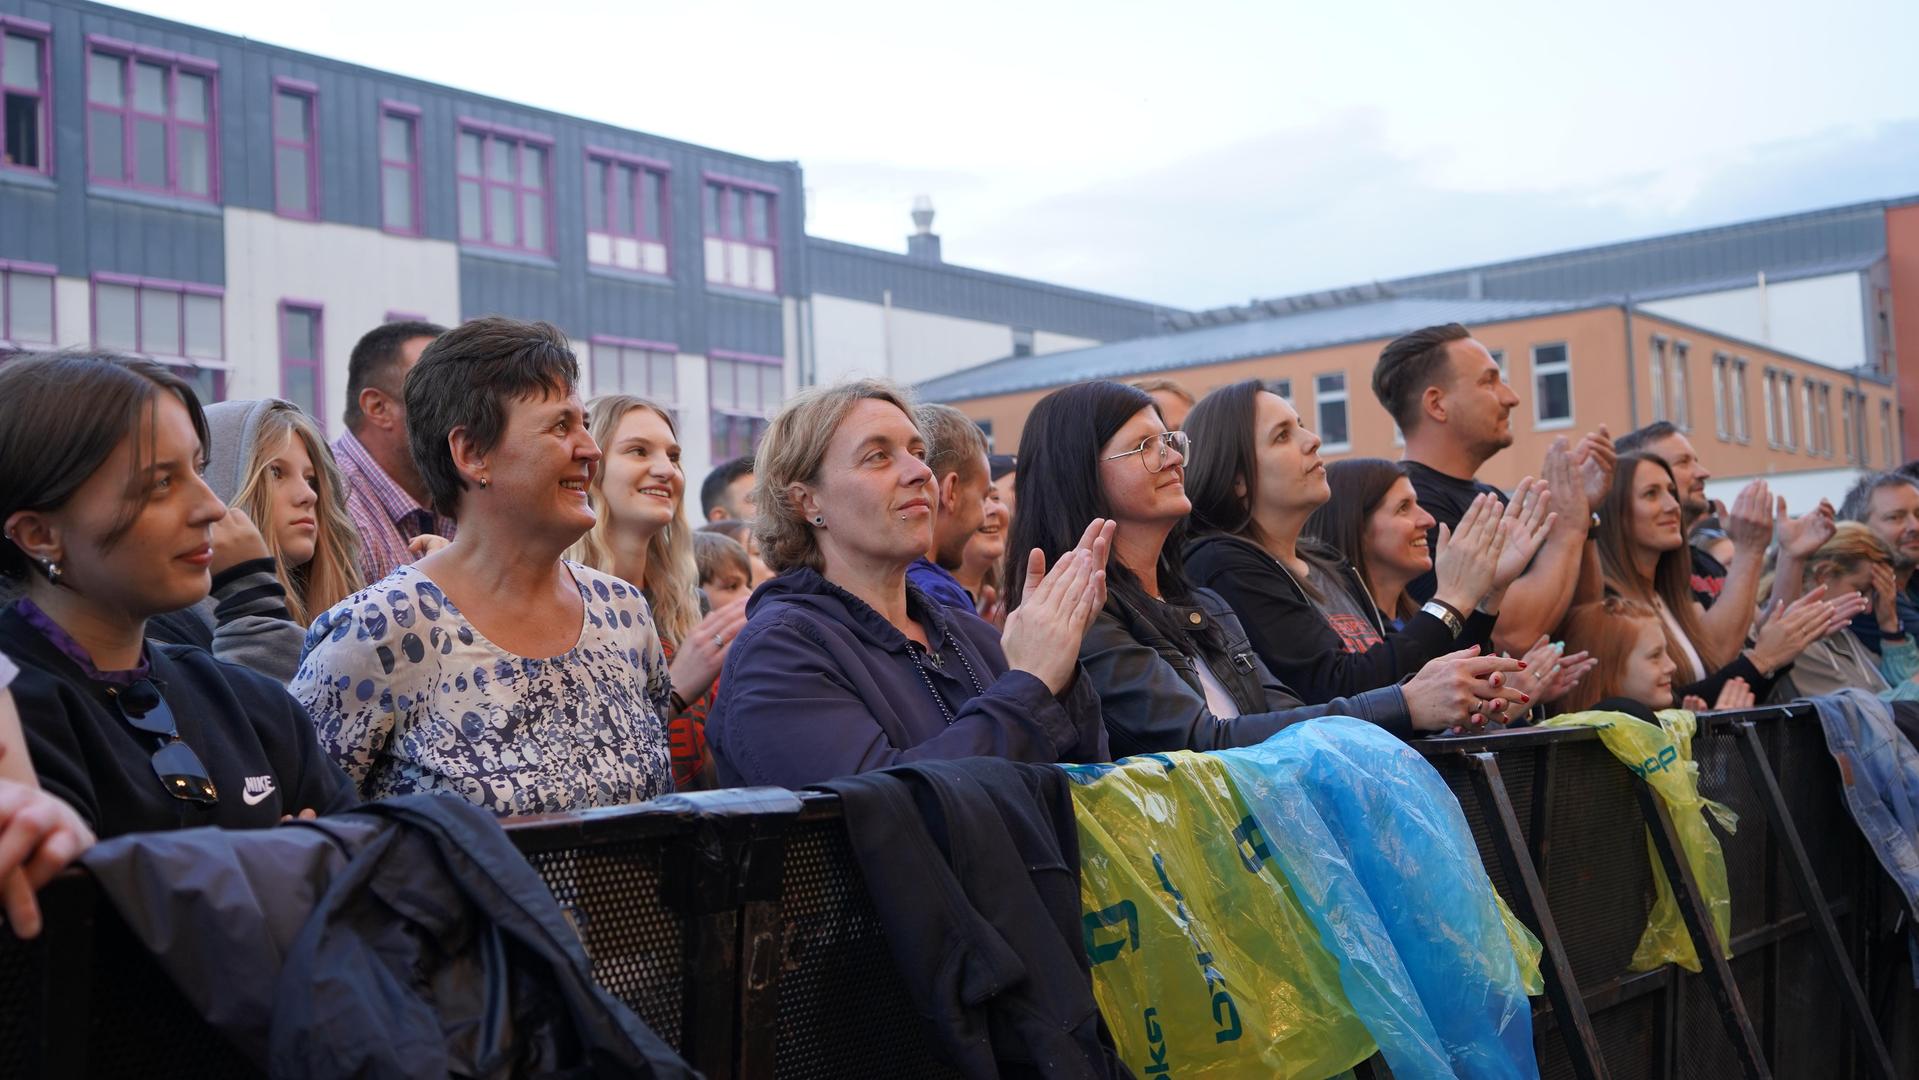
(1797, 537)
(1453, 404)
(956, 452)
(1888, 504)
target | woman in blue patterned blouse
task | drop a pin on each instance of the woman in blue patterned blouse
(493, 669)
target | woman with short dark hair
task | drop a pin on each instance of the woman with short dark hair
(494, 669)
(1171, 662)
(108, 519)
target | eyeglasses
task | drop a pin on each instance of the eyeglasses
(178, 767)
(1156, 451)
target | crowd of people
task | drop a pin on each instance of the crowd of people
(489, 587)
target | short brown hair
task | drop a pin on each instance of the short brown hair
(791, 452)
(954, 443)
(1408, 365)
(465, 380)
(714, 553)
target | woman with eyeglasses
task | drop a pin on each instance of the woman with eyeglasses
(108, 519)
(1172, 664)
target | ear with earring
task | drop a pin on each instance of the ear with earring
(47, 567)
(819, 520)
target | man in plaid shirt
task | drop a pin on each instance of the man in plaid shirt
(384, 491)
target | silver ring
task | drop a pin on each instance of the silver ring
(719, 641)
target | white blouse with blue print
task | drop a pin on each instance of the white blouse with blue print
(408, 698)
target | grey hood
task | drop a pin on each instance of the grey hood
(232, 429)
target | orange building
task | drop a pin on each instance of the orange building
(1751, 410)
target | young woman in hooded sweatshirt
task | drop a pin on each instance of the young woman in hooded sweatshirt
(845, 667)
(286, 550)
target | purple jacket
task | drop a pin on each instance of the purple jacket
(819, 685)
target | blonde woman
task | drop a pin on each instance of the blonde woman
(1855, 562)
(842, 668)
(641, 535)
(286, 549)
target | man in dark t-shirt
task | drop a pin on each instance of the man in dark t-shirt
(1454, 406)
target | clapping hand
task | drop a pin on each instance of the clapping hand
(1043, 634)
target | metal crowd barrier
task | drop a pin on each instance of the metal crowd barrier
(738, 927)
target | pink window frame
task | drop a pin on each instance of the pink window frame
(672, 405)
(662, 172)
(763, 415)
(730, 189)
(128, 53)
(44, 32)
(411, 114)
(317, 363)
(310, 146)
(8, 268)
(405, 316)
(520, 139)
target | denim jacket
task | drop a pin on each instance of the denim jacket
(1880, 771)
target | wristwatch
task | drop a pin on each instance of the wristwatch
(1444, 613)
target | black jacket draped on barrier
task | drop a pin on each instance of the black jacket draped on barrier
(973, 867)
(406, 939)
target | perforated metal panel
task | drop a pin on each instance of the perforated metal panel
(1628, 1040)
(1598, 877)
(843, 1010)
(611, 894)
(142, 1025)
(22, 1006)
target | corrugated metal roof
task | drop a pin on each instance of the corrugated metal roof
(1233, 341)
(1790, 246)
(862, 273)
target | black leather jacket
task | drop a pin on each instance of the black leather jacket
(1150, 692)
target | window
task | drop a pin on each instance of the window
(1499, 359)
(301, 361)
(645, 368)
(1722, 395)
(1739, 429)
(1022, 341)
(1782, 405)
(1849, 417)
(400, 168)
(625, 212)
(150, 121)
(503, 184)
(1806, 423)
(740, 228)
(175, 323)
(1329, 407)
(745, 390)
(1888, 434)
(1656, 362)
(406, 316)
(296, 182)
(26, 306)
(1679, 396)
(1552, 387)
(1282, 388)
(24, 83)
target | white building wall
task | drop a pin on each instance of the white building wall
(853, 337)
(1045, 341)
(1802, 490)
(696, 428)
(356, 274)
(1819, 318)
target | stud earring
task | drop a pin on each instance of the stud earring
(50, 569)
(484, 482)
(819, 519)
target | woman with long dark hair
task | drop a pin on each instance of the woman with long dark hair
(1257, 483)
(1172, 665)
(1642, 552)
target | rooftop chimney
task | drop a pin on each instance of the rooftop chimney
(924, 243)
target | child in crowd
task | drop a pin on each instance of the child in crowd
(726, 571)
(1628, 640)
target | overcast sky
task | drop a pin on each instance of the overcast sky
(1204, 153)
